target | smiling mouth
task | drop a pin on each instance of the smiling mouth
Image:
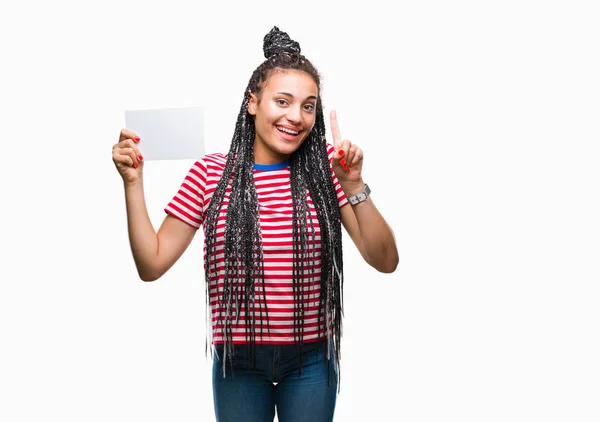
(288, 131)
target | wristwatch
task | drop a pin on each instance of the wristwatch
(360, 196)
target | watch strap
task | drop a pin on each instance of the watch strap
(360, 196)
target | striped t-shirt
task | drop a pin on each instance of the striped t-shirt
(275, 206)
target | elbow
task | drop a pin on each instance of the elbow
(390, 267)
(386, 266)
(384, 259)
(389, 264)
(148, 276)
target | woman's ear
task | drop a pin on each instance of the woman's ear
(252, 104)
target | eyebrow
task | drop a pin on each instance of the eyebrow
(312, 97)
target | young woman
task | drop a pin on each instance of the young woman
(272, 211)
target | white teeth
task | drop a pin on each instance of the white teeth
(283, 129)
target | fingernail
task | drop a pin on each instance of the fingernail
(140, 157)
(136, 165)
(137, 139)
(346, 168)
(350, 165)
(341, 152)
(342, 161)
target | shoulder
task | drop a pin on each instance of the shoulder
(206, 169)
(215, 159)
(211, 163)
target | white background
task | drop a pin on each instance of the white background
(479, 122)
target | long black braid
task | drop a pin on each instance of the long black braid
(243, 254)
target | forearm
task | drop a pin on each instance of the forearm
(142, 236)
(376, 236)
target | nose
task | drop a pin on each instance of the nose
(294, 115)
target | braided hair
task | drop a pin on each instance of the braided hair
(243, 254)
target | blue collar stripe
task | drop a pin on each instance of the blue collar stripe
(277, 166)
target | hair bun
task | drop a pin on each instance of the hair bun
(277, 42)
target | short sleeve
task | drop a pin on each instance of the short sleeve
(188, 203)
(342, 200)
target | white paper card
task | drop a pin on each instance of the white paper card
(168, 133)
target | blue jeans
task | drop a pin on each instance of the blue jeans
(249, 394)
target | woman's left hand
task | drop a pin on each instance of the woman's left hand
(347, 159)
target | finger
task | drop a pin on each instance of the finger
(128, 143)
(358, 155)
(335, 129)
(351, 154)
(130, 152)
(128, 134)
(344, 148)
(123, 159)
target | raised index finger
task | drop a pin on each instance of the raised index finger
(335, 129)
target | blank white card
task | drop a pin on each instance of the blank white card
(168, 133)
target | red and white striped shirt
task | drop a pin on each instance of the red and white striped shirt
(275, 206)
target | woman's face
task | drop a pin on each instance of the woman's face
(284, 115)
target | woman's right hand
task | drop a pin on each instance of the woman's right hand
(127, 156)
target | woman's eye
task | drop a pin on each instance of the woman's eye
(281, 102)
(309, 107)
